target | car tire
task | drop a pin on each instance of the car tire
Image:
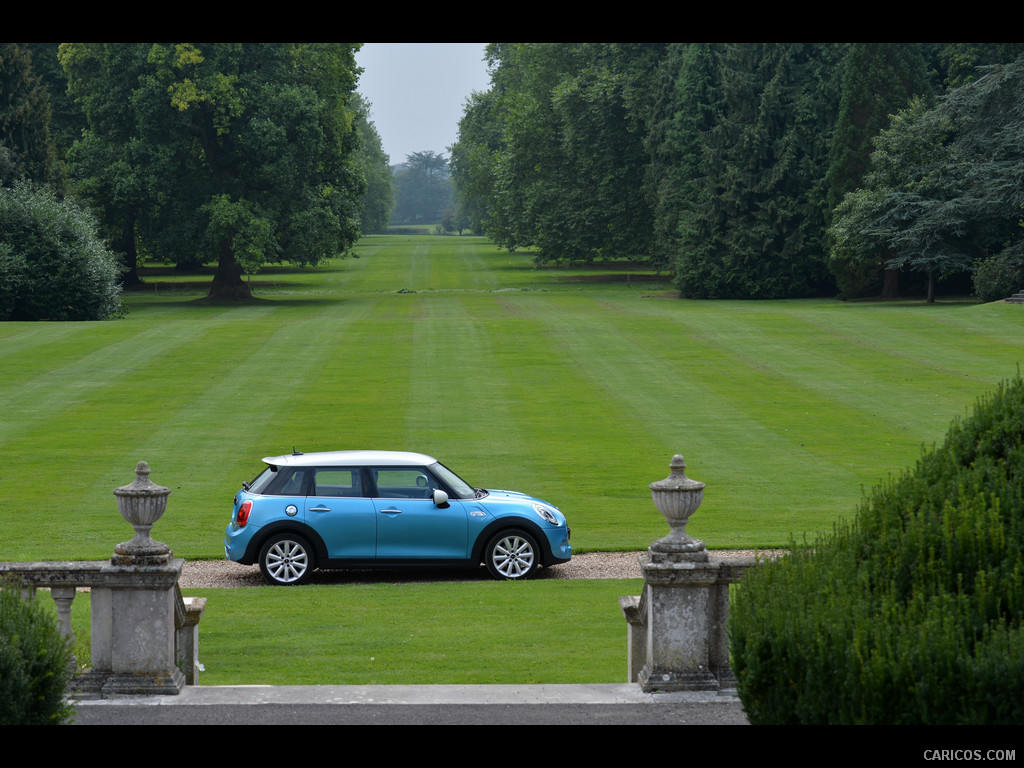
(286, 560)
(512, 554)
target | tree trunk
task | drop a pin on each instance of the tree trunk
(126, 245)
(227, 280)
(890, 284)
(931, 287)
(131, 262)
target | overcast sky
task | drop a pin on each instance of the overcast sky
(417, 92)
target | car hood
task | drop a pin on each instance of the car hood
(514, 497)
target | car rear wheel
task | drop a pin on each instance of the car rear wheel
(512, 555)
(286, 559)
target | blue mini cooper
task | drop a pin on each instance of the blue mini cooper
(357, 509)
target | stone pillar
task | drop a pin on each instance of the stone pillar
(133, 634)
(683, 610)
(190, 612)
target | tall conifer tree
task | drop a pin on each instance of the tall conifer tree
(761, 213)
(879, 79)
(686, 108)
(26, 147)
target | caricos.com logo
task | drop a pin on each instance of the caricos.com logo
(970, 754)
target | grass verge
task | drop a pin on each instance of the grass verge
(547, 631)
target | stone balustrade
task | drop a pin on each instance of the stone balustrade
(143, 633)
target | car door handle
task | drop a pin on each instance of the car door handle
(319, 509)
(392, 511)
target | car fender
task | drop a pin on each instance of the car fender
(506, 523)
(252, 551)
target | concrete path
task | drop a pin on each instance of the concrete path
(614, 704)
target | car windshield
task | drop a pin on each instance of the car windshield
(460, 487)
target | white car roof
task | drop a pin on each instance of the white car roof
(352, 459)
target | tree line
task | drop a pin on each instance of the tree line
(752, 170)
(230, 154)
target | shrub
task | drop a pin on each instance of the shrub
(913, 612)
(997, 278)
(34, 663)
(53, 265)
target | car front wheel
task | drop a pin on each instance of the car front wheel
(512, 555)
(286, 559)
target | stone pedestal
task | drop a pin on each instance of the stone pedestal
(686, 647)
(677, 627)
(133, 605)
(133, 632)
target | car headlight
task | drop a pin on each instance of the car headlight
(546, 513)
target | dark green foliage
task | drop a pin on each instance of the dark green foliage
(34, 663)
(53, 265)
(913, 612)
(961, 63)
(552, 157)
(66, 119)
(724, 162)
(944, 187)
(237, 154)
(998, 278)
(687, 104)
(473, 158)
(762, 198)
(25, 140)
(375, 167)
(879, 79)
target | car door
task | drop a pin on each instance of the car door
(339, 510)
(410, 526)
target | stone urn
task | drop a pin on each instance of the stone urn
(677, 498)
(141, 504)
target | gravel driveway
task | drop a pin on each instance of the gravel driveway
(592, 565)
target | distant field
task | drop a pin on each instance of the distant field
(575, 385)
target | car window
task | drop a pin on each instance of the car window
(262, 480)
(288, 481)
(343, 482)
(404, 483)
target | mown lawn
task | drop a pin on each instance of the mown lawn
(571, 384)
(456, 632)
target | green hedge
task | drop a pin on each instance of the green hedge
(34, 663)
(997, 278)
(912, 612)
(53, 264)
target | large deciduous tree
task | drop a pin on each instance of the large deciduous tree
(237, 154)
(379, 198)
(553, 156)
(472, 160)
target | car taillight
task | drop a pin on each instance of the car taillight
(243, 513)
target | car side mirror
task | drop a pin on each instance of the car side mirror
(440, 498)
